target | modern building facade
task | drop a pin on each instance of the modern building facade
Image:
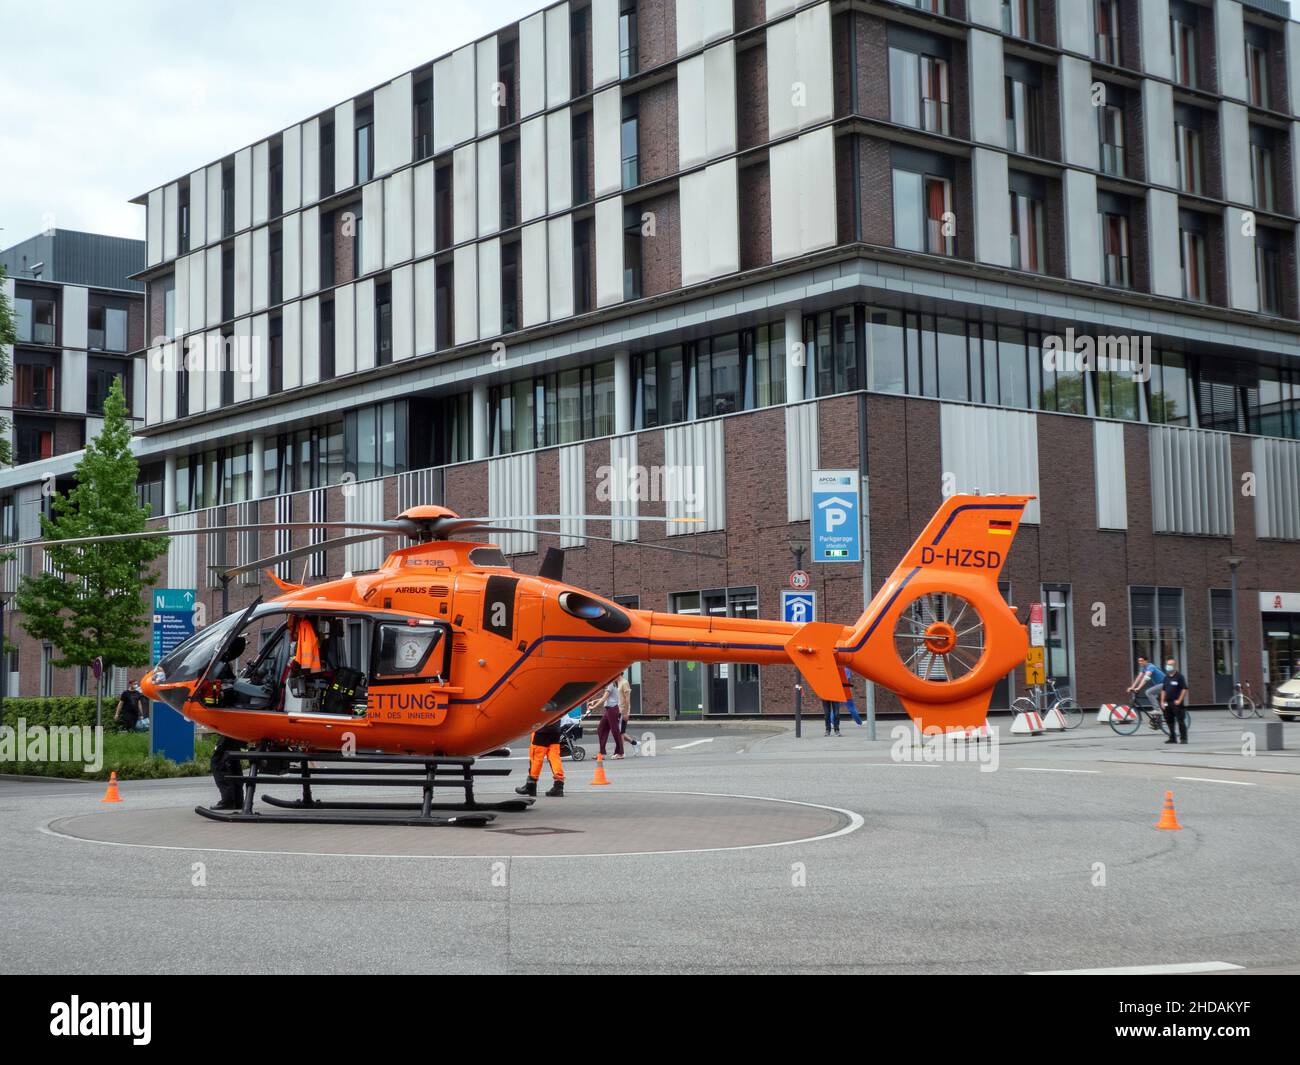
(671, 256)
(80, 322)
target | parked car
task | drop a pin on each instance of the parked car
(1286, 700)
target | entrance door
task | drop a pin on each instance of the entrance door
(1281, 647)
(700, 688)
(1059, 649)
(1223, 638)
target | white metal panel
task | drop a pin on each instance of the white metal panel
(800, 93)
(696, 454)
(557, 55)
(310, 250)
(488, 67)
(782, 78)
(180, 300)
(291, 169)
(609, 251)
(372, 221)
(1191, 481)
(1082, 233)
(992, 206)
(512, 493)
(171, 220)
(532, 169)
(623, 503)
(693, 205)
(1234, 132)
(559, 161)
(365, 314)
(489, 186)
(720, 99)
(1243, 282)
(72, 386)
(212, 270)
(154, 227)
(801, 458)
(291, 345)
(990, 451)
(214, 360)
(559, 240)
(212, 198)
(261, 268)
(153, 393)
(291, 257)
(1153, 35)
(197, 368)
(464, 185)
(701, 22)
(425, 286)
(403, 311)
(1276, 465)
(393, 119)
(573, 487)
(345, 155)
(1074, 26)
(76, 304)
(311, 340)
(182, 553)
(489, 289)
(243, 273)
(454, 114)
(1078, 115)
(310, 161)
(989, 124)
(532, 65)
(243, 188)
(723, 228)
(802, 173)
(1230, 40)
(198, 209)
(261, 182)
(604, 42)
(1292, 66)
(466, 277)
(198, 318)
(1109, 475)
(777, 8)
(398, 224)
(345, 330)
(1162, 232)
(533, 267)
(242, 365)
(423, 209)
(606, 122)
(261, 355)
(692, 119)
(364, 503)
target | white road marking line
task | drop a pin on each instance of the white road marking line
(693, 743)
(1044, 769)
(856, 821)
(1216, 780)
(1146, 970)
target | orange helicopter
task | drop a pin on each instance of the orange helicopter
(445, 652)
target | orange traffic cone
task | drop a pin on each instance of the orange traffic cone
(1168, 819)
(111, 794)
(599, 778)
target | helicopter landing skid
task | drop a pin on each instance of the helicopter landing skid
(334, 769)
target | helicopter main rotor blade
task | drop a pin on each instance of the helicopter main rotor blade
(381, 528)
(298, 552)
(602, 539)
(591, 517)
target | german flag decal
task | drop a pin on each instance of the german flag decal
(997, 527)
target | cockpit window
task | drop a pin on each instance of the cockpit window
(190, 659)
(403, 650)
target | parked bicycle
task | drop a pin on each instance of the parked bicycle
(1242, 704)
(1127, 718)
(1049, 698)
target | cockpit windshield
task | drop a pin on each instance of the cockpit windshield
(190, 659)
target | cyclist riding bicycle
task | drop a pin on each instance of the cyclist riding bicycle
(1150, 679)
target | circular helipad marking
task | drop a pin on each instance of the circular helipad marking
(579, 825)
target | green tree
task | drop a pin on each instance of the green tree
(8, 338)
(92, 605)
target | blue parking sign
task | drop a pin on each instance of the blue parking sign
(798, 608)
(836, 516)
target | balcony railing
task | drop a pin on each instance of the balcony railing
(1112, 159)
(935, 115)
(1117, 272)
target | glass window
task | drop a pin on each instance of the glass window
(1110, 123)
(1019, 18)
(919, 90)
(1024, 110)
(1157, 620)
(1192, 259)
(1013, 371)
(952, 356)
(1183, 45)
(1188, 158)
(1116, 269)
(1027, 251)
(1106, 43)
(1261, 177)
(1167, 398)
(1256, 75)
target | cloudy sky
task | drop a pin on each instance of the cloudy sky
(101, 101)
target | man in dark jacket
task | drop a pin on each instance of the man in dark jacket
(130, 707)
(544, 746)
(1173, 701)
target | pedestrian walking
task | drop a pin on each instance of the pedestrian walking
(1173, 701)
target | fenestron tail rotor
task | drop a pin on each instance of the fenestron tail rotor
(939, 637)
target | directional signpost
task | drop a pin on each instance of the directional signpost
(170, 734)
(836, 516)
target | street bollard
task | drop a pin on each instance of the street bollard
(798, 711)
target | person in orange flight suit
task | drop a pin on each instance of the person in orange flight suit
(544, 746)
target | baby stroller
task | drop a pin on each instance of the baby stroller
(570, 734)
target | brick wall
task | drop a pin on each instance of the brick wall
(661, 255)
(657, 131)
